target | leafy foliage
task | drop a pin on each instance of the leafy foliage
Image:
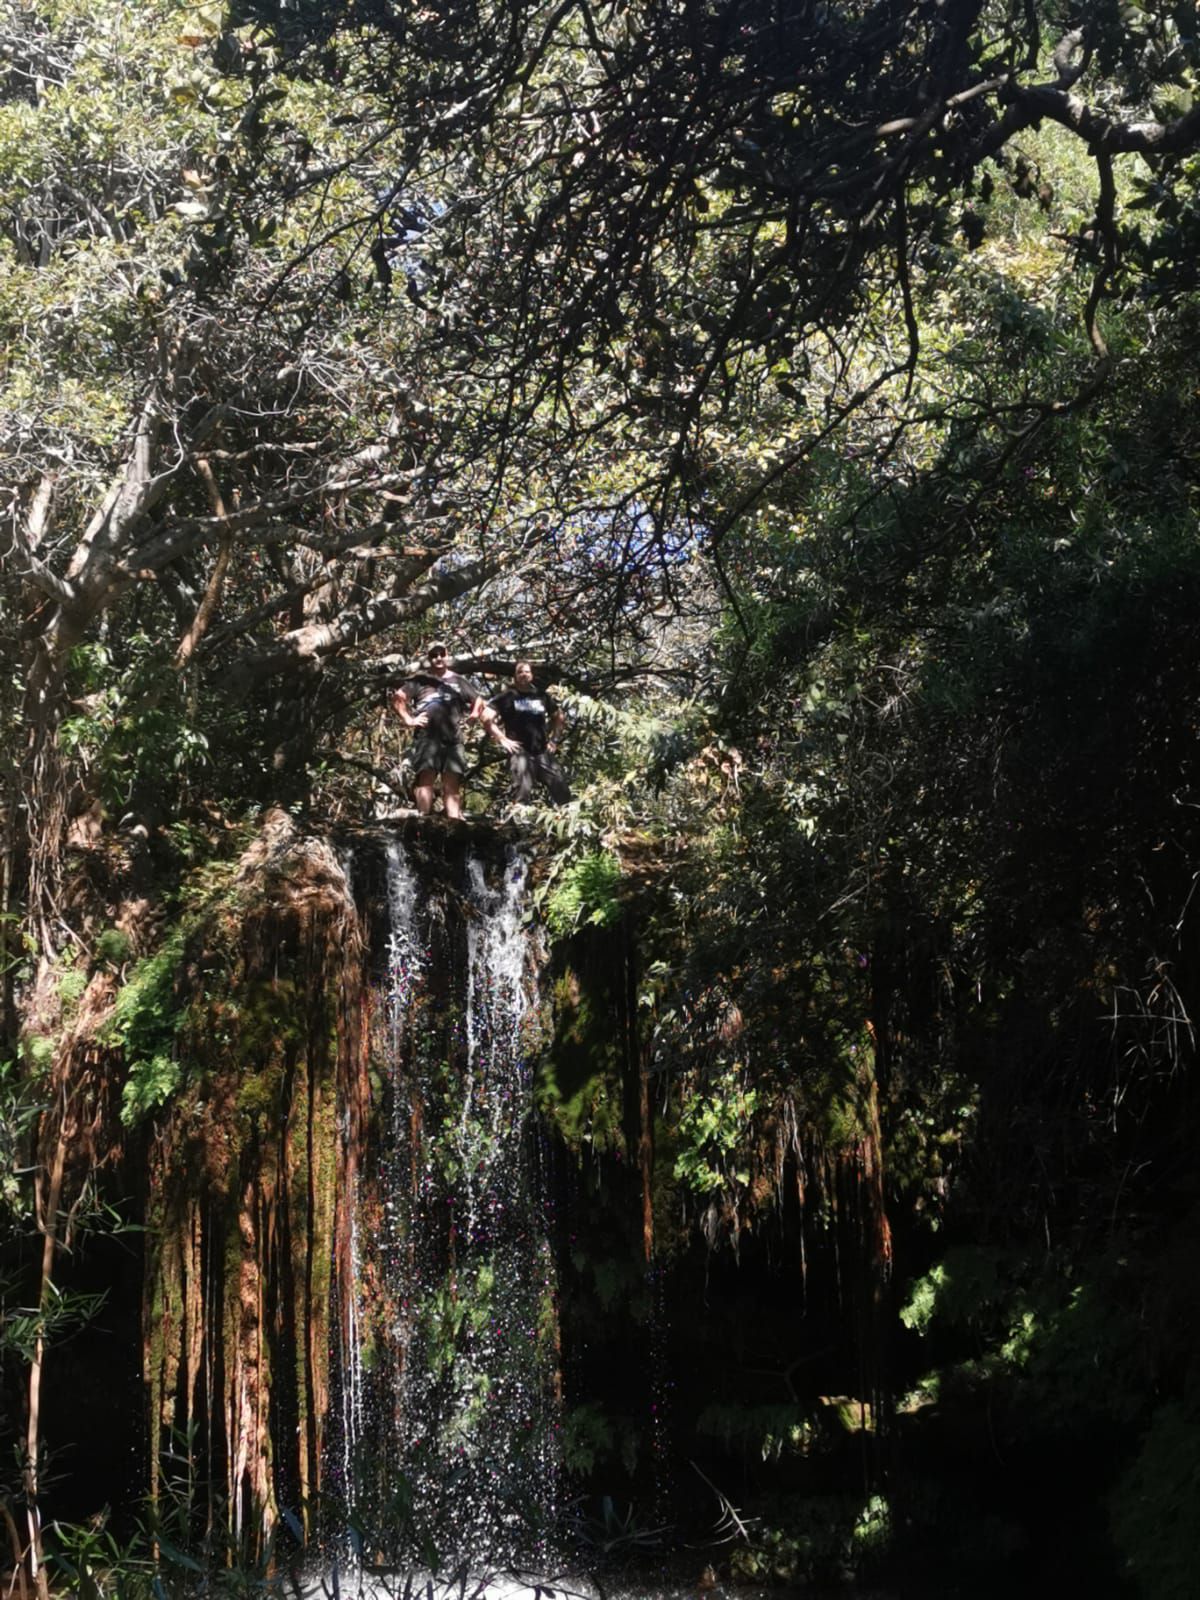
(585, 894)
(711, 1128)
(145, 1020)
(817, 1538)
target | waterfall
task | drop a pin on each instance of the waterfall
(349, 1329)
(502, 1219)
(496, 1088)
(378, 1239)
(405, 952)
(454, 1294)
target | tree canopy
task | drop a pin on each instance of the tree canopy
(390, 295)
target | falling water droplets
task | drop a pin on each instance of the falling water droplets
(460, 1244)
(405, 951)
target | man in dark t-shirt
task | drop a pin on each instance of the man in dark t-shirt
(531, 722)
(433, 704)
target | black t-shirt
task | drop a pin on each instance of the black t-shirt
(523, 715)
(445, 701)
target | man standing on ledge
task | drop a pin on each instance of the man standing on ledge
(433, 703)
(531, 723)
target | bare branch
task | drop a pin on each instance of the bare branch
(317, 640)
(212, 594)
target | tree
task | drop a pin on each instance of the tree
(367, 309)
(647, 209)
(216, 403)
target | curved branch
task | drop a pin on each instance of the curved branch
(190, 532)
(416, 564)
(310, 644)
(1106, 224)
(1029, 105)
(207, 608)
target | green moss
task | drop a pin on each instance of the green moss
(175, 1003)
(38, 1050)
(113, 947)
(324, 1157)
(71, 987)
(270, 1014)
(579, 1086)
(260, 1093)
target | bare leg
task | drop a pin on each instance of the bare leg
(423, 791)
(451, 791)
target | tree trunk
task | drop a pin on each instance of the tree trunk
(48, 1215)
(44, 788)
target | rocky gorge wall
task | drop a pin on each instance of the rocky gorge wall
(348, 1281)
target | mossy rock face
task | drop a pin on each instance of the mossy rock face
(272, 1015)
(580, 1084)
(254, 996)
(261, 1094)
(269, 1167)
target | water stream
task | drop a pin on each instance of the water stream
(554, 1586)
(450, 1407)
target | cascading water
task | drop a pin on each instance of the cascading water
(450, 1393)
(501, 1220)
(362, 1446)
(406, 951)
(347, 1329)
